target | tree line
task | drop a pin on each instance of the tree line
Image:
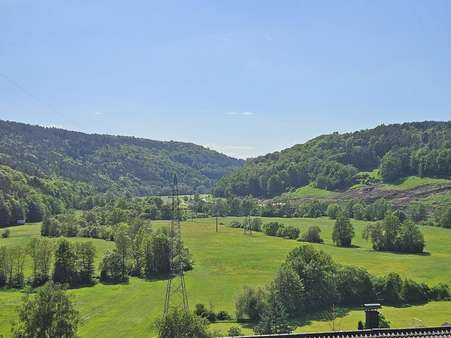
(394, 233)
(73, 263)
(30, 198)
(309, 280)
(139, 251)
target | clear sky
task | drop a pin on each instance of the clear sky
(242, 77)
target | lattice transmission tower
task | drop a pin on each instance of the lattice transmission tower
(176, 295)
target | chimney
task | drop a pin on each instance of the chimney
(372, 316)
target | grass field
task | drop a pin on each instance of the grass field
(412, 182)
(227, 261)
(309, 191)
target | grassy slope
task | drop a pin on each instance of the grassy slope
(227, 261)
(412, 182)
(310, 191)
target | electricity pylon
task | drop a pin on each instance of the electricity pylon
(176, 295)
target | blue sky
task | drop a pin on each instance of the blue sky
(242, 77)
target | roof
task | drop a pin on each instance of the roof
(421, 332)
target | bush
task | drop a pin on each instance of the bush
(236, 225)
(201, 310)
(271, 228)
(256, 224)
(392, 289)
(312, 235)
(223, 315)
(288, 231)
(250, 303)
(354, 286)
(211, 316)
(333, 210)
(178, 323)
(6, 233)
(440, 292)
(234, 331)
(415, 293)
(445, 218)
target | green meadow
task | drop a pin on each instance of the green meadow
(227, 261)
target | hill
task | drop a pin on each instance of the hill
(336, 162)
(29, 197)
(116, 163)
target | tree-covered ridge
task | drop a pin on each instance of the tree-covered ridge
(115, 163)
(333, 161)
(25, 197)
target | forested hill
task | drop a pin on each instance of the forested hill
(126, 164)
(338, 161)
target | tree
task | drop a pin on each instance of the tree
(274, 186)
(333, 210)
(4, 261)
(274, 318)
(411, 238)
(354, 286)
(289, 289)
(445, 218)
(391, 292)
(85, 263)
(312, 235)
(417, 212)
(181, 324)
(49, 314)
(15, 260)
(41, 252)
(5, 213)
(111, 268)
(317, 271)
(250, 303)
(343, 231)
(271, 228)
(35, 211)
(64, 271)
(122, 241)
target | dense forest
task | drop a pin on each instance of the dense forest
(337, 161)
(31, 198)
(111, 163)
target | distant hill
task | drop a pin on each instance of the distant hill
(336, 162)
(116, 163)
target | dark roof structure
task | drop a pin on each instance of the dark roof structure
(421, 332)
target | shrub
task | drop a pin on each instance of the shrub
(211, 316)
(414, 293)
(354, 286)
(178, 323)
(440, 292)
(200, 310)
(312, 235)
(223, 315)
(256, 224)
(236, 225)
(271, 228)
(333, 210)
(288, 231)
(6, 233)
(392, 288)
(234, 331)
(445, 218)
(250, 303)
